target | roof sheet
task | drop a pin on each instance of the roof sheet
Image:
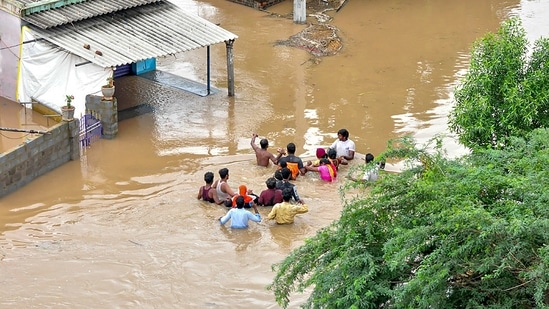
(78, 11)
(124, 37)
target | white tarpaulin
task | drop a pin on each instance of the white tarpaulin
(48, 74)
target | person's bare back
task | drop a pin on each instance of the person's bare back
(262, 155)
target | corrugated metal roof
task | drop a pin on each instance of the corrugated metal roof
(78, 11)
(128, 36)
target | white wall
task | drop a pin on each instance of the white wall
(10, 33)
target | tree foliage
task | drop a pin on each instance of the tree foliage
(505, 91)
(471, 232)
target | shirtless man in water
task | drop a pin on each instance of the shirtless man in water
(263, 156)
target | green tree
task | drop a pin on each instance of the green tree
(505, 91)
(471, 232)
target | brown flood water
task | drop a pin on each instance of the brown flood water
(122, 226)
(16, 116)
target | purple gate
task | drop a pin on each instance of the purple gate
(90, 130)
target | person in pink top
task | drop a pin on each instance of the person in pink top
(326, 170)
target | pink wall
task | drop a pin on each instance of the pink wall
(10, 32)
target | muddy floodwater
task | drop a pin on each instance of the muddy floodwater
(122, 227)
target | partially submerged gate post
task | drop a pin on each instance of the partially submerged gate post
(230, 67)
(106, 111)
(300, 11)
(73, 129)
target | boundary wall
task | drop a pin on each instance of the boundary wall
(38, 156)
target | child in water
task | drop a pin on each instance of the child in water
(332, 156)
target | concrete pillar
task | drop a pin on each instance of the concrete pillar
(74, 139)
(300, 11)
(106, 111)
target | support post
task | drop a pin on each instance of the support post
(208, 63)
(230, 67)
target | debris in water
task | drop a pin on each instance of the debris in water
(319, 40)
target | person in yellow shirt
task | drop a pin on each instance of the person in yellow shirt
(284, 213)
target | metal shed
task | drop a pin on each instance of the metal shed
(114, 33)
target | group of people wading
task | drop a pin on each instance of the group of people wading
(280, 193)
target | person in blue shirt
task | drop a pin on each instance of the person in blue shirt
(240, 216)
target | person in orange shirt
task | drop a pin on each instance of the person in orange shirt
(293, 162)
(249, 198)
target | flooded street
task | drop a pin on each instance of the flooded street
(122, 227)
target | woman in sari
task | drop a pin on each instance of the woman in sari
(326, 170)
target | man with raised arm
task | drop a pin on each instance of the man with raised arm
(262, 155)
